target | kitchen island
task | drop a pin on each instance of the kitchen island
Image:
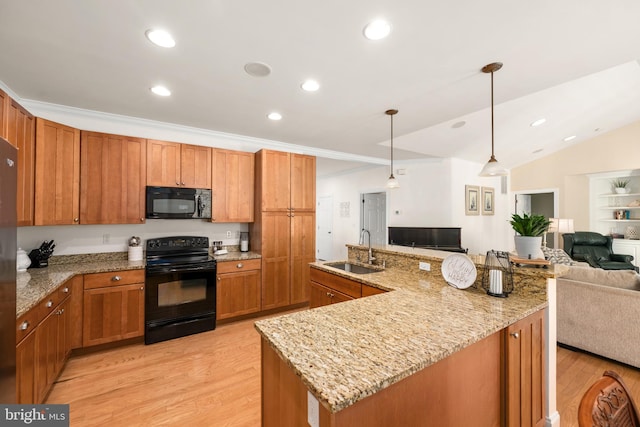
(423, 353)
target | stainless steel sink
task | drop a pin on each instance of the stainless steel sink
(353, 268)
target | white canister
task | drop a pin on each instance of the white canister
(22, 260)
(135, 253)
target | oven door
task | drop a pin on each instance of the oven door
(179, 301)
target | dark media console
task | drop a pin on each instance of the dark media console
(440, 238)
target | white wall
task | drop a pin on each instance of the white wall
(431, 194)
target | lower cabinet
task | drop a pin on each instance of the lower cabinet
(42, 352)
(327, 288)
(238, 290)
(525, 371)
(113, 307)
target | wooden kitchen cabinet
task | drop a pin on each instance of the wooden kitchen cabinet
(113, 307)
(525, 371)
(44, 344)
(112, 179)
(171, 164)
(283, 230)
(232, 186)
(321, 295)
(327, 288)
(238, 288)
(57, 174)
(20, 131)
(4, 100)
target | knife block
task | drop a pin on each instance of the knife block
(38, 259)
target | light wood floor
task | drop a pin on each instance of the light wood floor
(213, 379)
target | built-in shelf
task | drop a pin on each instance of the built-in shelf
(618, 194)
(622, 220)
(617, 208)
(605, 203)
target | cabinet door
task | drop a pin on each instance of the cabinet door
(237, 294)
(46, 355)
(75, 285)
(163, 163)
(113, 179)
(113, 313)
(275, 259)
(319, 295)
(303, 183)
(275, 181)
(232, 186)
(4, 105)
(25, 369)
(57, 187)
(21, 127)
(64, 333)
(303, 251)
(195, 166)
(525, 371)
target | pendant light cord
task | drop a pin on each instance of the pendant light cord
(391, 146)
(492, 156)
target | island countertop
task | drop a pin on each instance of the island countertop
(345, 352)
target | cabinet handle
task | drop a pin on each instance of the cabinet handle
(116, 278)
(178, 183)
(60, 312)
(49, 304)
(515, 335)
(239, 265)
(182, 183)
(141, 219)
(142, 288)
(76, 220)
(24, 325)
(65, 290)
(219, 278)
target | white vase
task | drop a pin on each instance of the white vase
(22, 260)
(529, 247)
(621, 190)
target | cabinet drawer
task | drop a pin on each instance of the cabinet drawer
(346, 286)
(28, 321)
(113, 278)
(240, 265)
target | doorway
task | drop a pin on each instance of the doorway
(324, 231)
(542, 202)
(373, 217)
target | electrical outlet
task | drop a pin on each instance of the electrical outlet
(228, 234)
(425, 266)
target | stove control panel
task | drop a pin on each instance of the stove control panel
(177, 243)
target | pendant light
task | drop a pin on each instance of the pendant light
(392, 182)
(492, 168)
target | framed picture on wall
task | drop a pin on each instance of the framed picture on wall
(488, 200)
(472, 200)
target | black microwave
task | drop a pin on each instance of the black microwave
(178, 203)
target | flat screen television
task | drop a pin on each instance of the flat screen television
(441, 238)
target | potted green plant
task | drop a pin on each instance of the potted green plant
(620, 185)
(530, 229)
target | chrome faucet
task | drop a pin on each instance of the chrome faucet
(370, 258)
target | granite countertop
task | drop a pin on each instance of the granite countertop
(36, 284)
(345, 352)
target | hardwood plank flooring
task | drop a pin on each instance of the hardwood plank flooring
(213, 379)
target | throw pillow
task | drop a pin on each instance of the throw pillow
(557, 256)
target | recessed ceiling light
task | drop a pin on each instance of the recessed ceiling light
(160, 38)
(310, 85)
(161, 91)
(377, 30)
(459, 124)
(569, 138)
(257, 69)
(538, 122)
(274, 116)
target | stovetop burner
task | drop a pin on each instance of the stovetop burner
(178, 252)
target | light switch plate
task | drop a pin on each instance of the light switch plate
(313, 410)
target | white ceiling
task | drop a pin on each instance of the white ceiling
(573, 62)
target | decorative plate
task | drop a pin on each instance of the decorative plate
(459, 271)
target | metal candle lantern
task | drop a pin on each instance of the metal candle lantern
(497, 278)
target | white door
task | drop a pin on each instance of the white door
(374, 217)
(324, 224)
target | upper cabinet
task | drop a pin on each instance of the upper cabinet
(232, 186)
(171, 164)
(57, 174)
(291, 179)
(19, 129)
(112, 179)
(4, 99)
